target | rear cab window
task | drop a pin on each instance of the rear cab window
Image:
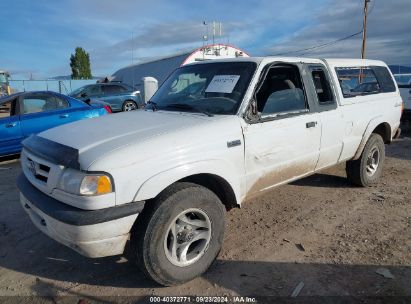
(319, 81)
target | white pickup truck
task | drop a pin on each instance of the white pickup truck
(215, 134)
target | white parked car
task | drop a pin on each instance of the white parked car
(215, 134)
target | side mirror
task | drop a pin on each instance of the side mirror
(84, 94)
(251, 114)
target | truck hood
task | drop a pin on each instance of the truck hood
(93, 138)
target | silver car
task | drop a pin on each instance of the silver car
(119, 96)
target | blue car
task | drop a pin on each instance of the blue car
(121, 97)
(23, 114)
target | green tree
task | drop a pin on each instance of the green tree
(80, 64)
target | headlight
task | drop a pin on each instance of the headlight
(80, 183)
(71, 181)
(95, 185)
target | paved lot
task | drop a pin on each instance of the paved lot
(347, 234)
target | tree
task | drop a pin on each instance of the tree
(80, 64)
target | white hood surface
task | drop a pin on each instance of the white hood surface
(96, 137)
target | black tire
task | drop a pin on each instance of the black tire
(147, 242)
(126, 103)
(358, 171)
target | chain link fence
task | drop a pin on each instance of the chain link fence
(60, 86)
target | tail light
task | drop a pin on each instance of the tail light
(108, 109)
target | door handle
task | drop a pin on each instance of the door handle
(311, 124)
(64, 115)
(11, 125)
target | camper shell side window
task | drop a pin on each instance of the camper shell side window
(364, 80)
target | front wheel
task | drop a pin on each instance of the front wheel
(368, 168)
(129, 105)
(179, 234)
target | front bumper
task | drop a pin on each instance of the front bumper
(92, 233)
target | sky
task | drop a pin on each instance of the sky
(38, 37)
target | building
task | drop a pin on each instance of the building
(162, 67)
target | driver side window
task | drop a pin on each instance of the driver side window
(7, 109)
(281, 92)
(94, 90)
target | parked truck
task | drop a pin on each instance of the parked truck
(214, 135)
(405, 91)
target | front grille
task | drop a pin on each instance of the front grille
(38, 170)
(44, 168)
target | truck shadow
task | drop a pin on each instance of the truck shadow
(57, 270)
(49, 269)
(246, 278)
(323, 180)
(400, 148)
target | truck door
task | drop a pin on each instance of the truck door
(332, 125)
(112, 95)
(10, 131)
(42, 111)
(283, 144)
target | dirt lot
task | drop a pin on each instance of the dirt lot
(346, 235)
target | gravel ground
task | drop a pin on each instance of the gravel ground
(320, 231)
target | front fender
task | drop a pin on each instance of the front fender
(158, 182)
(367, 133)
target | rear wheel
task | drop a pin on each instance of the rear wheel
(368, 168)
(179, 234)
(129, 105)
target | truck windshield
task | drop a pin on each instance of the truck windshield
(214, 88)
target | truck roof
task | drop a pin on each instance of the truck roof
(340, 62)
(346, 62)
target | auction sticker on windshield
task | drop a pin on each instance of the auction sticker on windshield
(222, 84)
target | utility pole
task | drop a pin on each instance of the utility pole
(364, 32)
(213, 31)
(364, 37)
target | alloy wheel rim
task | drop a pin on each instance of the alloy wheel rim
(373, 161)
(188, 237)
(129, 106)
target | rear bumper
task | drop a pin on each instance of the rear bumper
(95, 233)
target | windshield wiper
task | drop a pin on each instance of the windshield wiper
(188, 107)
